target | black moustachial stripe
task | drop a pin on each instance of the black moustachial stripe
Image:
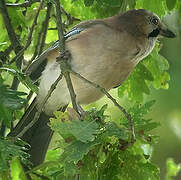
(154, 33)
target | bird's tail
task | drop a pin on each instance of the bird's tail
(38, 136)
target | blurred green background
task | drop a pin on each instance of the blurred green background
(168, 107)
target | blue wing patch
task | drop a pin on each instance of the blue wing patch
(71, 33)
(40, 61)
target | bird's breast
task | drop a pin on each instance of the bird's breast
(100, 71)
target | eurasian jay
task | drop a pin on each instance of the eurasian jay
(104, 51)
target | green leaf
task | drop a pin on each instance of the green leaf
(152, 71)
(145, 72)
(158, 66)
(52, 154)
(132, 4)
(3, 164)
(17, 17)
(73, 153)
(6, 116)
(147, 126)
(88, 2)
(152, 6)
(113, 3)
(10, 98)
(81, 130)
(142, 126)
(136, 85)
(27, 82)
(172, 169)
(8, 150)
(140, 110)
(112, 129)
(17, 171)
(70, 169)
(76, 151)
(129, 164)
(22, 78)
(170, 4)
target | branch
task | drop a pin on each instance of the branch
(103, 90)
(2, 130)
(11, 33)
(41, 40)
(35, 51)
(45, 27)
(28, 42)
(70, 18)
(62, 57)
(25, 4)
(13, 38)
(27, 100)
(5, 54)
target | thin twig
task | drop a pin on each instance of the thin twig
(28, 42)
(40, 108)
(52, 29)
(25, 4)
(103, 90)
(62, 59)
(2, 130)
(35, 51)
(60, 27)
(15, 83)
(5, 54)
(77, 177)
(71, 90)
(45, 27)
(70, 18)
(41, 37)
(28, 99)
(11, 33)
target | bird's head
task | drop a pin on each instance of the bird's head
(147, 23)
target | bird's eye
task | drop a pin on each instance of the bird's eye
(154, 21)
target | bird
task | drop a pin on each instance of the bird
(104, 51)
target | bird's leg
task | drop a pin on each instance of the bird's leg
(66, 55)
(81, 110)
(63, 59)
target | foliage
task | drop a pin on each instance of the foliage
(103, 151)
(9, 150)
(98, 147)
(9, 100)
(152, 71)
(172, 169)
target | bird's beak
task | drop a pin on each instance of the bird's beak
(164, 31)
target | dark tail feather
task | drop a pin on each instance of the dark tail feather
(38, 136)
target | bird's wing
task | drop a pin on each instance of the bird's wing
(37, 67)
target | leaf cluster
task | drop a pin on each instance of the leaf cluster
(96, 147)
(151, 72)
(9, 150)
